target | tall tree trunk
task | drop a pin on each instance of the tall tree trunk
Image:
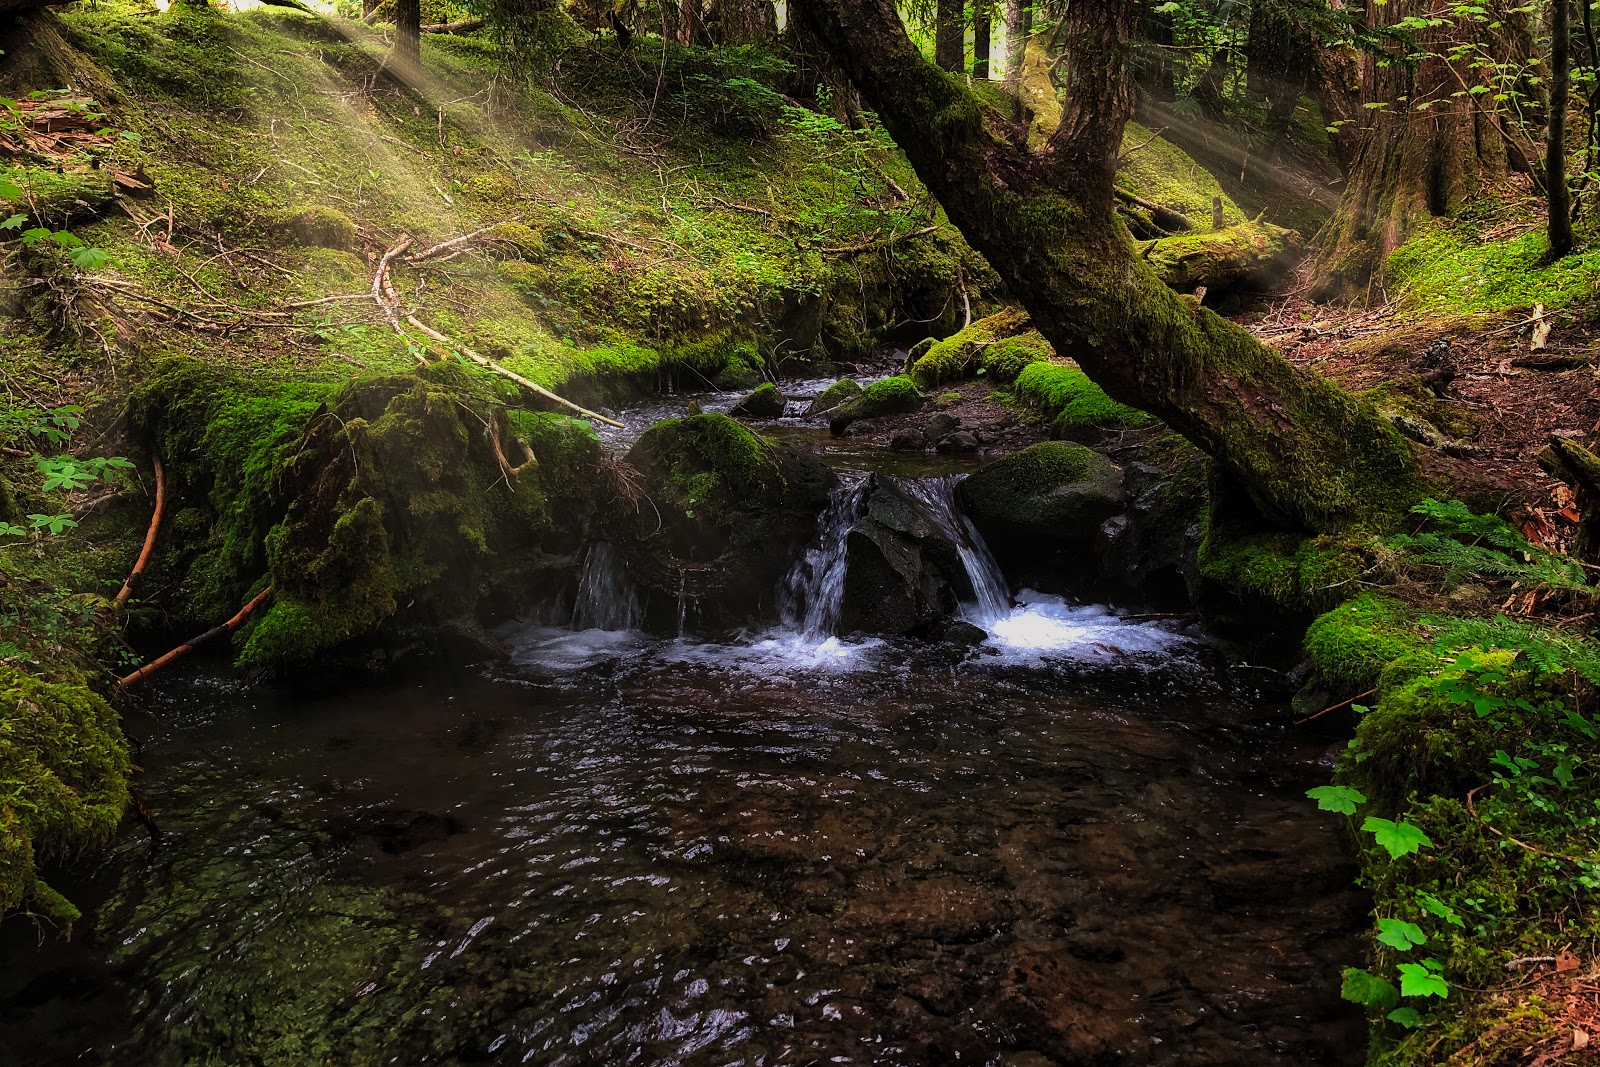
(1555, 157)
(406, 59)
(735, 22)
(1019, 27)
(1155, 58)
(1279, 69)
(950, 35)
(982, 30)
(1305, 453)
(1427, 143)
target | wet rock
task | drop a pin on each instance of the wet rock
(729, 511)
(840, 391)
(1068, 1010)
(892, 396)
(1052, 493)
(907, 441)
(900, 567)
(959, 443)
(939, 427)
(963, 633)
(766, 402)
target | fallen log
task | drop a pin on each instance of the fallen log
(464, 26)
(195, 642)
(1250, 256)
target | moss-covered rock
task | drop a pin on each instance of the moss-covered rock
(962, 355)
(891, 396)
(840, 391)
(728, 511)
(63, 782)
(1076, 408)
(320, 227)
(1050, 493)
(765, 402)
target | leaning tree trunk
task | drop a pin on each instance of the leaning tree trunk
(1428, 142)
(406, 59)
(1309, 455)
(949, 35)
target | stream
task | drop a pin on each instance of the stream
(1082, 841)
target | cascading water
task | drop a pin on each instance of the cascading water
(991, 593)
(607, 596)
(812, 597)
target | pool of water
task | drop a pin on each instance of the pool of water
(1083, 842)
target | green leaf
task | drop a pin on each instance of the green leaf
(1434, 906)
(1563, 771)
(15, 222)
(54, 523)
(1420, 980)
(1400, 935)
(9, 190)
(1368, 990)
(1397, 838)
(9, 530)
(88, 258)
(1340, 798)
(1406, 1017)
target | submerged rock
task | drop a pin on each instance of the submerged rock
(766, 402)
(907, 441)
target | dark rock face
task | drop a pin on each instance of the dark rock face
(939, 427)
(903, 573)
(1052, 493)
(960, 442)
(728, 512)
(766, 402)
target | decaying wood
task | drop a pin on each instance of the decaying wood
(148, 550)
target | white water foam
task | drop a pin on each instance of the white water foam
(1043, 627)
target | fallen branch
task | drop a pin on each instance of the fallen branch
(380, 281)
(454, 242)
(149, 538)
(464, 26)
(1334, 707)
(195, 642)
(875, 245)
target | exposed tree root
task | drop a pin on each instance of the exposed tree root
(149, 538)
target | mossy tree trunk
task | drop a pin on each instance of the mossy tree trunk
(1308, 455)
(1019, 26)
(950, 37)
(982, 32)
(1430, 139)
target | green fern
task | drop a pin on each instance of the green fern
(1467, 545)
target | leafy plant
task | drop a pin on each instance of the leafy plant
(1464, 544)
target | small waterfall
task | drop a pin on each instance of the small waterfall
(991, 590)
(607, 597)
(812, 597)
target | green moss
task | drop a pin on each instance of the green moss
(891, 396)
(1007, 358)
(1303, 573)
(962, 355)
(1157, 170)
(1444, 270)
(1052, 490)
(765, 402)
(836, 394)
(63, 782)
(320, 227)
(1076, 407)
(1355, 642)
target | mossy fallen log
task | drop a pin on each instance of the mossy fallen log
(1251, 256)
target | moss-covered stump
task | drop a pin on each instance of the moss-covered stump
(1049, 494)
(962, 355)
(1249, 256)
(1076, 408)
(388, 504)
(723, 512)
(765, 402)
(892, 396)
(840, 391)
(63, 783)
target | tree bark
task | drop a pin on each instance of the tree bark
(950, 35)
(406, 59)
(1019, 27)
(1555, 157)
(736, 22)
(982, 32)
(1279, 68)
(1155, 59)
(1307, 455)
(1427, 144)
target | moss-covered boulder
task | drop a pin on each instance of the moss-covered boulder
(63, 783)
(765, 402)
(385, 505)
(1052, 493)
(1076, 408)
(840, 391)
(962, 355)
(320, 227)
(727, 512)
(892, 396)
